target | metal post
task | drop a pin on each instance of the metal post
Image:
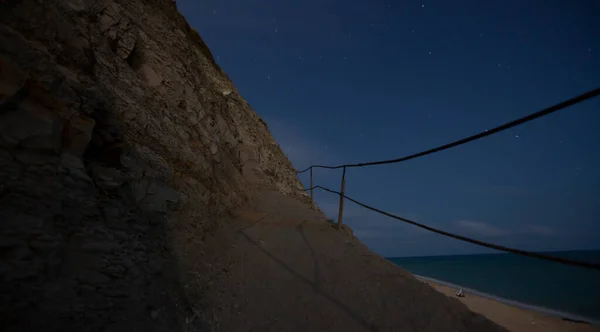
(341, 212)
(312, 197)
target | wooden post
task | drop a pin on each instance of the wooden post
(341, 212)
(312, 197)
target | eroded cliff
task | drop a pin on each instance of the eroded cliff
(122, 143)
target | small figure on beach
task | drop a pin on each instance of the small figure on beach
(460, 293)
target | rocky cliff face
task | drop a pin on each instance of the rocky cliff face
(121, 143)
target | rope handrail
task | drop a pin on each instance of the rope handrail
(570, 102)
(566, 261)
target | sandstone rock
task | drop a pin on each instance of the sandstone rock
(114, 271)
(156, 267)
(7, 242)
(22, 222)
(193, 119)
(33, 127)
(160, 197)
(115, 293)
(43, 245)
(78, 134)
(12, 79)
(108, 178)
(139, 189)
(155, 313)
(151, 76)
(24, 269)
(213, 148)
(74, 167)
(75, 5)
(93, 278)
(33, 158)
(101, 247)
(70, 161)
(113, 213)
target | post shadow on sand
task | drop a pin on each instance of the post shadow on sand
(314, 285)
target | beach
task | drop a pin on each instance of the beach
(511, 317)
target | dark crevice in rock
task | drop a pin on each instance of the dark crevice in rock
(135, 60)
(113, 44)
(12, 103)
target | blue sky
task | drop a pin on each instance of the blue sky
(343, 81)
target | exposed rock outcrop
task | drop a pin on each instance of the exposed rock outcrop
(121, 143)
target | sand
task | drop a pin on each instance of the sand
(280, 266)
(513, 318)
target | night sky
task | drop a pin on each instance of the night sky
(344, 81)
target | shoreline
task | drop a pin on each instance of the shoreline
(521, 305)
(514, 315)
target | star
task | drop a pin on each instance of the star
(268, 77)
(215, 11)
(517, 136)
(301, 57)
(218, 58)
(422, 6)
(430, 52)
(276, 30)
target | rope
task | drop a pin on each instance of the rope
(588, 265)
(530, 117)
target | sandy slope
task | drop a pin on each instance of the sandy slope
(282, 267)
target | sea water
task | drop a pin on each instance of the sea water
(553, 288)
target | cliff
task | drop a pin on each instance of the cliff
(120, 137)
(140, 192)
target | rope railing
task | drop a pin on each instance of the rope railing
(546, 111)
(566, 261)
(549, 110)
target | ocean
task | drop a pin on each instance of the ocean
(552, 288)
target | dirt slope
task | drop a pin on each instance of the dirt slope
(285, 268)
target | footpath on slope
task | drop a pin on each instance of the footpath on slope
(280, 266)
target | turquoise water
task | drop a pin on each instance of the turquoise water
(573, 291)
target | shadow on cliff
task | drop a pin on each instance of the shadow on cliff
(85, 238)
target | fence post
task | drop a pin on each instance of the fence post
(341, 212)
(312, 198)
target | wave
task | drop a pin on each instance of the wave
(543, 310)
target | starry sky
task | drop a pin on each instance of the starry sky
(344, 81)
